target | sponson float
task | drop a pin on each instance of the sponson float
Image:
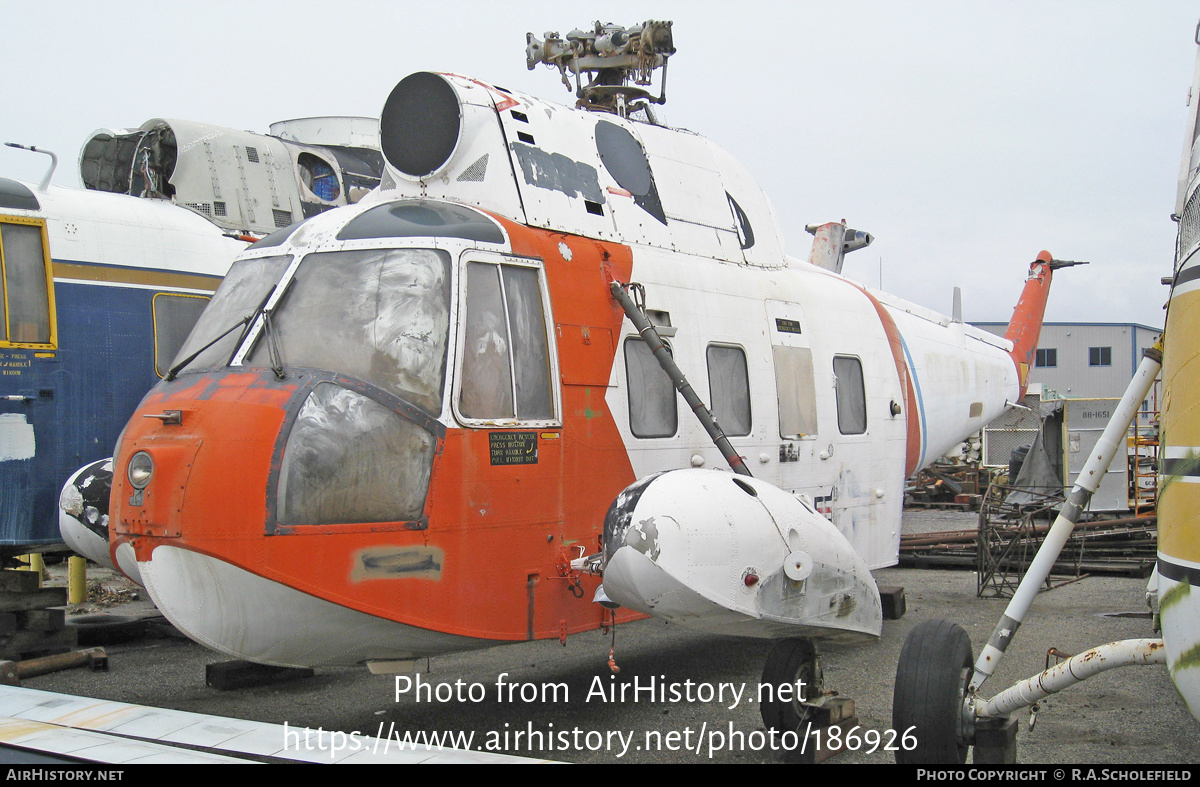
(438, 419)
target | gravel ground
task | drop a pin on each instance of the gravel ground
(1132, 715)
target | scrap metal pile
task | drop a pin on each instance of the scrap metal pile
(947, 485)
(1009, 533)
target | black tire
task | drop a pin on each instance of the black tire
(790, 661)
(935, 668)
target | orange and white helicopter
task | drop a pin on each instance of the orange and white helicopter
(440, 418)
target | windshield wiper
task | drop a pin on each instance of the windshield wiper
(245, 321)
(174, 370)
(272, 345)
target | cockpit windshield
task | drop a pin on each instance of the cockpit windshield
(379, 315)
(242, 292)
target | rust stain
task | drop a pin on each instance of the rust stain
(18, 729)
(94, 716)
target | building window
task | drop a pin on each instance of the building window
(851, 395)
(1099, 356)
(1047, 357)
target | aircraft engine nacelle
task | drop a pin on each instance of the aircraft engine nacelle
(731, 554)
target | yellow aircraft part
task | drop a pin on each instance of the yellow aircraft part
(1179, 495)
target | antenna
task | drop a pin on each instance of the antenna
(53, 162)
(615, 59)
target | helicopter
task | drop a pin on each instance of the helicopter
(449, 417)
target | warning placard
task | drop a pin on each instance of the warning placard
(514, 448)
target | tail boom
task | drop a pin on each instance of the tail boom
(1026, 323)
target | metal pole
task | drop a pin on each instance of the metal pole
(1085, 485)
(76, 579)
(663, 356)
(1102, 658)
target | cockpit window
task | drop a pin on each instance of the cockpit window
(241, 293)
(350, 459)
(379, 315)
(506, 353)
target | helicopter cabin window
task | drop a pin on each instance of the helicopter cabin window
(729, 389)
(851, 395)
(28, 297)
(506, 368)
(652, 409)
(796, 391)
(174, 317)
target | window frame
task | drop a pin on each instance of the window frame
(712, 403)
(804, 407)
(630, 339)
(154, 325)
(459, 321)
(1100, 353)
(837, 398)
(5, 341)
(1049, 354)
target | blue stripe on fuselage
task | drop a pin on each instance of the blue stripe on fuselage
(912, 372)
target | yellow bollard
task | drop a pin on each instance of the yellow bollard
(76, 580)
(37, 564)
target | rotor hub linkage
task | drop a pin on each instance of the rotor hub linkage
(619, 63)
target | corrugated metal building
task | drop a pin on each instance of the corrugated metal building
(1086, 360)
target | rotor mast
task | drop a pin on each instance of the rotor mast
(618, 62)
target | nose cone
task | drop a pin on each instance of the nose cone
(735, 555)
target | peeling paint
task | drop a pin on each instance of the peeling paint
(620, 514)
(16, 437)
(393, 562)
(644, 538)
(88, 497)
(557, 172)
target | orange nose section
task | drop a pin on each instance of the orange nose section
(211, 460)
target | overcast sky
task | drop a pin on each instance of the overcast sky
(965, 136)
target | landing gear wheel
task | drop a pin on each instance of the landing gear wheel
(790, 661)
(935, 668)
